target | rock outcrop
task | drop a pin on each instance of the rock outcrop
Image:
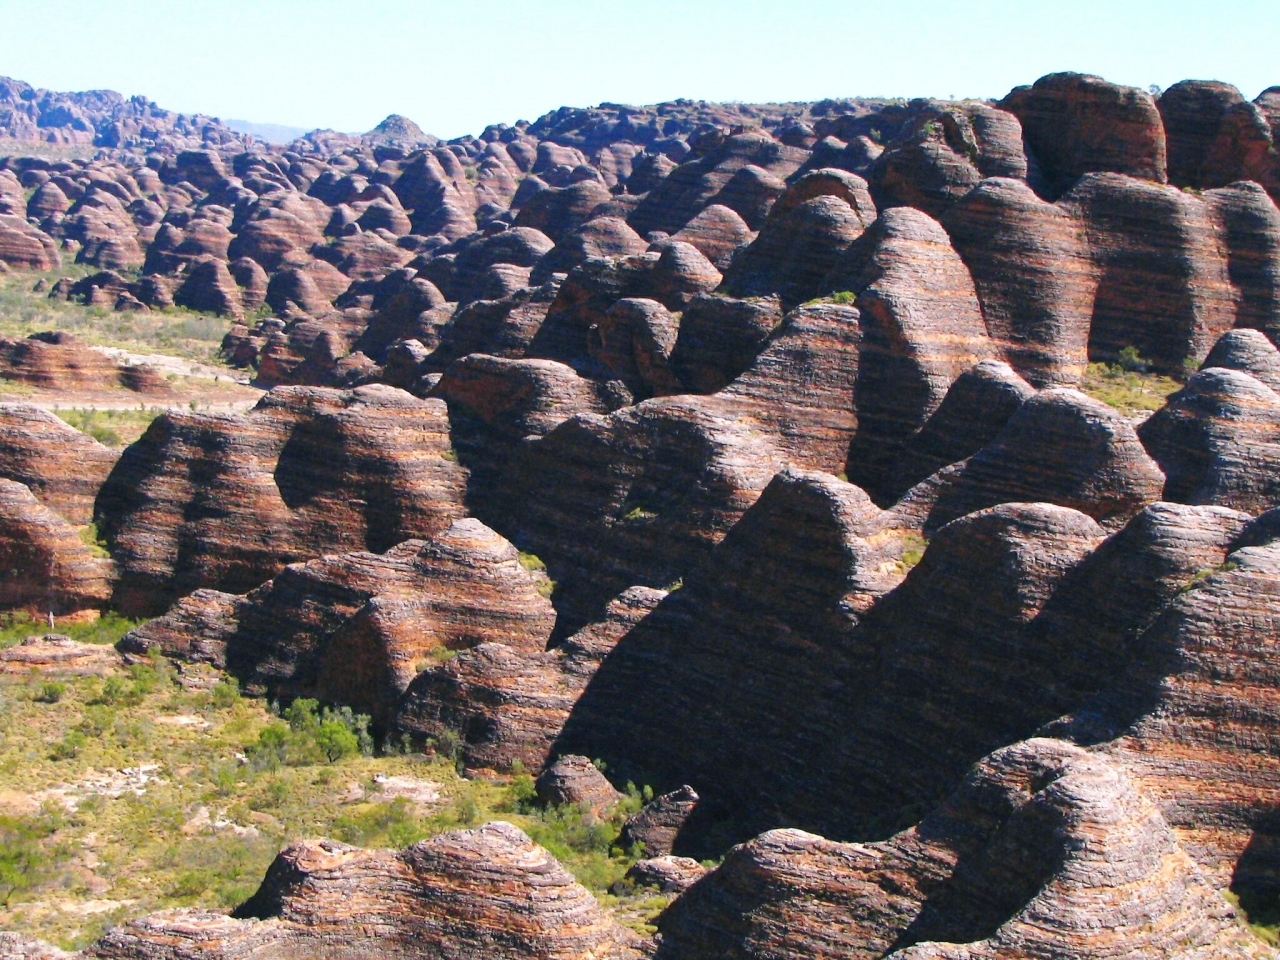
(576, 781)
(1034, 277)
(1059, 447)
(63, 467)
(357, 628)
(1074, 124)
(1045, 850)
(1218, 440)
(489, 892)
(227, 500)
(922, 327)
(44, 565)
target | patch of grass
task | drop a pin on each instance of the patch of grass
(1129, 391)
(112, 428)
(913, 548)
(1200, 576)
(174, 331)
(90, 537)
(533, 563)
(107, 629)
(140, 793)
(1261, 915)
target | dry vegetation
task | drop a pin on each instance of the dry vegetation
(152, 789)
(1131, 391)
(173, 331)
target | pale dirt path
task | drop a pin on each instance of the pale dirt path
(176, 365)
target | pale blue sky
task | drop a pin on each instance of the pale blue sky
(455, 66)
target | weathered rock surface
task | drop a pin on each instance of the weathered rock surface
(976, 408)
(510, 705)
(1218, 440)
(355, 628)
(1164, 286)
(63, 467)
(489, 892)
(802, 238)
(44, 565)
(943, 151)
(719, 337)
(1031, 267)
(635, 497)
(1249, 225)
(655, 828)
(576, 781)
(56, 654)
(1193, 718)
(1059, 447)
(227, 500)
(922, 327)
(669, 874)
(57, 361)
(495, 403)
(25, 247)
(1074, 124)
(1044, 850)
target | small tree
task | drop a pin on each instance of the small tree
(336, 741)
(225, 693)
(21, 862)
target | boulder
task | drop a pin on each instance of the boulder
(656, 828)
(1059, 447)
(669, 874)
(1073, 124)
(574, 781)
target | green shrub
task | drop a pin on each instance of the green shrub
(22, 863)
(301, 715)
(69, 747)
(336, 741)
(50, 692)
(115, 689)
(226, 693)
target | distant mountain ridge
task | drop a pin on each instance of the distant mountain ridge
(105, 118)
(274, 133)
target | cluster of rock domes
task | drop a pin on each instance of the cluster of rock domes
(830, 547)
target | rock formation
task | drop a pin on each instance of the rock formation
(60, 465)
(1044, 850)
(227, 500)
(46, 567)
(356, 628)
(1059, 447)
(489, 892)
